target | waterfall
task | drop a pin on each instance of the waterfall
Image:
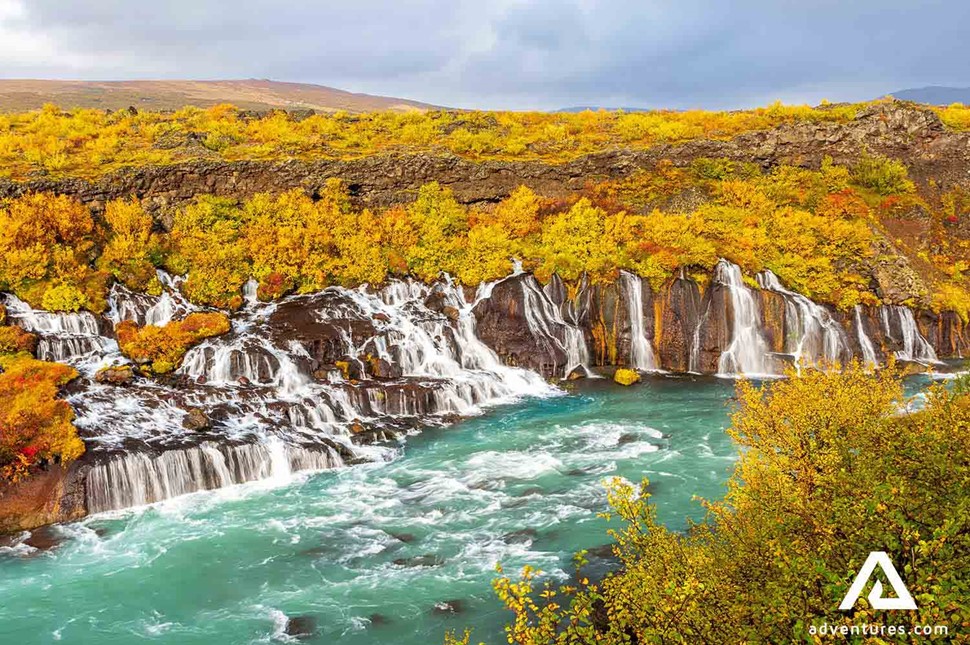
(62, 337)
(865, 344)
(137, 478)
(248, 358)
(914, 347)
(82, 323)
(547, 325)
(425, 344)
(747, 352)
(144, 309)
(812, 335)
(641, 352)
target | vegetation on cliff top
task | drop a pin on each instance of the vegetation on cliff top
(88, 143)
(828, 472)
(816, 229)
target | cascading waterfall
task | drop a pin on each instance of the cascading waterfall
(273, 401)
(865, 343)
(144, 309)
(812, 336)
(434, 346)
(268, 415)
(137, 478)
(547, 325)
(747, 353)
(62, 337)
(641, 351)
(915, 348)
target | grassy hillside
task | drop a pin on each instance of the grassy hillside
(251, 94)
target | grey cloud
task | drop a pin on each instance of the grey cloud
(515, 53)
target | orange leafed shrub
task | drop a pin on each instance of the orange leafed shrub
(161, 349)
(14, 340)
(34, 424)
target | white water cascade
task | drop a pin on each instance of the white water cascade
(641, 351)
(747, 352)
(136, 479)
(865, 343)
(548, 326)
(915, 348)
(812, 336)
(144, 309)
(268, 411)
(62, 337)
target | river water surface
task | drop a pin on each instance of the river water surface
(393, 552)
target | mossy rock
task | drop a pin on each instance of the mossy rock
(625, 376)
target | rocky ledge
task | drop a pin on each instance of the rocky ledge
(902, 130)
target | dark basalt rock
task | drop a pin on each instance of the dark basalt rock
(299, 320)
(946, 332)
(503, 326)
(382, 369)
(679, 304)
(448, 607)
(441, 302)
(301, 627)
(45, 538)
(716, 327)
(115, 375)
(426, 560)
(378, 620)
(522, 536)
(196, 420)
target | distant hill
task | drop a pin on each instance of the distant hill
(935, 95)
(252, 94)
(597, 108)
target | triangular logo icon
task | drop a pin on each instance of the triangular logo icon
(903, 599)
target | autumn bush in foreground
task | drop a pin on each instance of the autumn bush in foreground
(161, 349)
(35, 425)
(828, 472)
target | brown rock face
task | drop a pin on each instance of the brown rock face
(607, 325)
(503, 325)
(297, 320)
(677, 310)
(946, 332)
(773, 320)
(196, 420)
(716, 328)
(46, 497)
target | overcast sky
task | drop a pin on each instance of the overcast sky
(516, 54)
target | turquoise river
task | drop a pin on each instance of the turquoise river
(394, 552)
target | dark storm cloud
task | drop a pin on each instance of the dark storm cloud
(507, 53)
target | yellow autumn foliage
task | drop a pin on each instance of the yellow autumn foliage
(86, 142)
